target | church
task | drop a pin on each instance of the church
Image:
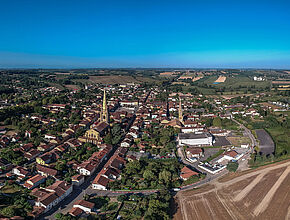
(176, 123)
(99, 128)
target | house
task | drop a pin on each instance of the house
(45, 159)
(52, 195)
(32, 154)
(230, 155)
(46, 171)
(45, 147)
(100, 182)
(76, 212)
(26, 147)
(61, 188)
(78, 180)
(34, 181)
(110, 173)
(49, 136)
(186, 173)
(193, 152)
(3, 129)
(87, 168)
(118, 163)
(74, 143)
(194, 139)
(126, 143)
(84, 205)
(21, 172)
(48, 201)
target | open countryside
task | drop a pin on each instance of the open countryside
(249, 195)
(145, 110)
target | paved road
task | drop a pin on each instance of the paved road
(248, 132)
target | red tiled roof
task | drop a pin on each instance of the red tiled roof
(77, 177)
(76, 212)
(85, 204)
(186, 173)
(194, 150)
(231, 153)
(48, 199)
(46, 170)
(36, 178)
(101, 180)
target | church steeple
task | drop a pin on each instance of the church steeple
(104, 111)
(180, 117)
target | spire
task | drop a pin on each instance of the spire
(104, 100)
(104, 111)
(180, 117)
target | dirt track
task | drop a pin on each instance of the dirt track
(252, 194)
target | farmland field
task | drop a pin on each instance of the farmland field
(72, 87)
(262, 193)
(115, 79)
(197, 78)
(281, 82)
(232, 85)
(234, 82)
(221, 79)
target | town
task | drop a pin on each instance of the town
(123, 150)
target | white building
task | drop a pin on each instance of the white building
(193, 139)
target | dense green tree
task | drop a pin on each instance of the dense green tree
(8, 211)
(232, 166)
(217, 122)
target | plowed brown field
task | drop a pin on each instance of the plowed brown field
(263, 193)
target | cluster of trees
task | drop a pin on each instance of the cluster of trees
(81, 153)
(14, 157)
(60, 216)
(221, 123)
(16, 205)
(232, 166)
(115, 135)
(162, 137)
(149, 174)
(15, 111)
(279, 130)
(257, 159)
(154, 206)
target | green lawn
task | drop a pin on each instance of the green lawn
(10, 189)
(281, 137)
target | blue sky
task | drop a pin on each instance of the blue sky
(171, 33)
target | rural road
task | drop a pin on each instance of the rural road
(248, 132)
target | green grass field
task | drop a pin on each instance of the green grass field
(232, 85)
(281, 137)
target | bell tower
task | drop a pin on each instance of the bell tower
(180, 116)
(104, 112)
